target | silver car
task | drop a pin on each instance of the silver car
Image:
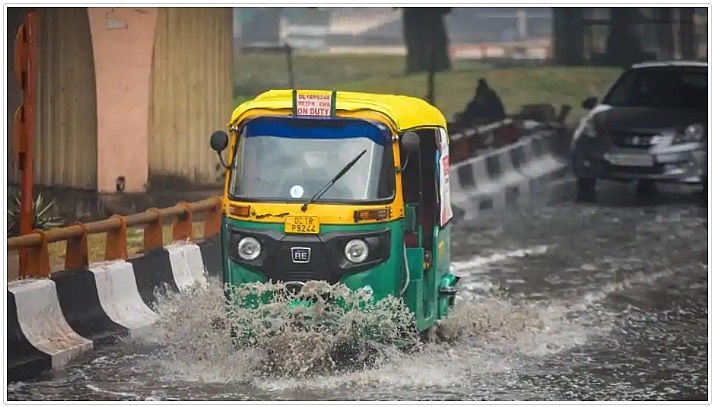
(651, 126)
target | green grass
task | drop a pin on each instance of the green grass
(255, 73)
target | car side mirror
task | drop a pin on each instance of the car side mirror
(218, 142)
(589, 103)
(410, 143)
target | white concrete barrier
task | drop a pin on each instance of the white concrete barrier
(473, 189)
(487, 187)
(187, 265)
(45, 316)
(517, 185)
(542, 164)
(42, 322)
(119, 296)
(497, 179)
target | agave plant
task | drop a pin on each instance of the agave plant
(41, 210)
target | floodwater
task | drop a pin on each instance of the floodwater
(569, 301)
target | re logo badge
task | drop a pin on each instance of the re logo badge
(301, 254)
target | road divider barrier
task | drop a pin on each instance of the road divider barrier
(54, 317)
(504, 178)
(186, 263)
(39, 328)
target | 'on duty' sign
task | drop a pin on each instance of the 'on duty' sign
(314, 103)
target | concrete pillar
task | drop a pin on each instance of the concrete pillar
(522, 25)
(122, 40)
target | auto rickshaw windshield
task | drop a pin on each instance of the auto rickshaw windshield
(289, 159)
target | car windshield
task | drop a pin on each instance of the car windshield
(287, 159)
(666, 88)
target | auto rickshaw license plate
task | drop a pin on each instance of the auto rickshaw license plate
(301, 224)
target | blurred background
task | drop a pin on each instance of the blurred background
(472, 42)
(126, 98)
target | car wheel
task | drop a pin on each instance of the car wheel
(586, 189)
(645, 188)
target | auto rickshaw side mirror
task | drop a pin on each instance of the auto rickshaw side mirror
(410, 143)
(218, 142)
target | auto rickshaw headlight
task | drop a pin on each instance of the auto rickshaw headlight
(356, 251)
(249, 248)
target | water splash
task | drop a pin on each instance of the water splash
(480, 261)
(482, 339)
(199, 332)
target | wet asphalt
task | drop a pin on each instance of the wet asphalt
(561, 301)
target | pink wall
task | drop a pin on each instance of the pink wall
(122, 40)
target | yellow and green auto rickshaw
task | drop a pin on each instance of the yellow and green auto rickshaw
(342, 187)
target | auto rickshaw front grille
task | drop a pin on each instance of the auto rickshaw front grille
(302, 275)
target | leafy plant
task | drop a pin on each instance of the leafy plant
(41, 209)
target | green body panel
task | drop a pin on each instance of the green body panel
(385, 279)
(441, 260)
(388, 278)
(423, 295)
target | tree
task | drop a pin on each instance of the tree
(426, 39)
(687, 33)
(623, 46)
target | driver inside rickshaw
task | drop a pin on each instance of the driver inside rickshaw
(291, 169)
(305, 173)
(296, 174)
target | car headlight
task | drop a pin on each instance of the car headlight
(249, 248)
(356, 251)
(693, 133)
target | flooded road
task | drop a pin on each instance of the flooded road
(605, 301)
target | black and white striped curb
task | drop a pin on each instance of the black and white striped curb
(506, 177)
(52, 321)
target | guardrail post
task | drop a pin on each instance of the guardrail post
(25, 67)
(212, 222)
(77, 254)
(153, 231)
(116, 241)
(183, 223)
(37, 259)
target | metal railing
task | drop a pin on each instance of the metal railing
(115, 227)
(468, 142)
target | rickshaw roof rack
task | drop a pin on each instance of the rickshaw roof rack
(406, 112)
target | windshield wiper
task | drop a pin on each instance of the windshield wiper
(331, 182)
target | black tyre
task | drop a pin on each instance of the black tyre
(645, 188)
(586, 189)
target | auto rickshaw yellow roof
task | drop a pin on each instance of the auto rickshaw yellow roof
(406, 112)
